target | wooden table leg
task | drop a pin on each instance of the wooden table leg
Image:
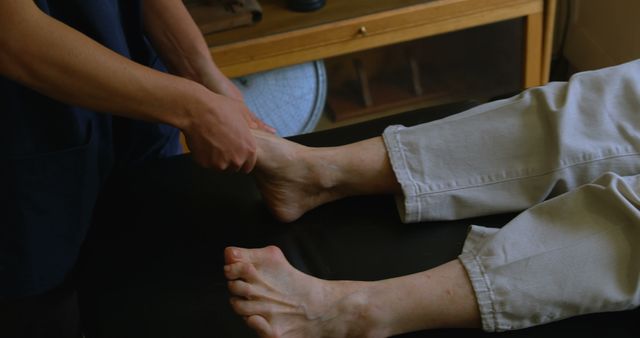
(549, 25)
(533, 50)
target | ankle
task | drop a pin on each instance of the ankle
(325, 171)
(365, 318)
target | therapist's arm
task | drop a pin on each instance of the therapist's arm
(58, 61)
(183, 49)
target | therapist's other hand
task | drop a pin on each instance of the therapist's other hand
(218, 83)
(218, 135)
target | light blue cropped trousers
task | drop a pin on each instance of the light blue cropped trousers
(568, 154)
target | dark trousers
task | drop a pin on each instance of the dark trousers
(54, 314)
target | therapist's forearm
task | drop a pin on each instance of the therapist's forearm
(181, 45)
(58, 61)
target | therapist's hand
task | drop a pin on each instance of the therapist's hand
(218, 135)
(218, 83)
(184, 51)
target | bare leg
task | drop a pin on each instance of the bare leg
(277, 300)
(294, 178)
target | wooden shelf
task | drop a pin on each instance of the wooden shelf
(436, 69)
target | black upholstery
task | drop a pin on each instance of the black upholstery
(152, 266)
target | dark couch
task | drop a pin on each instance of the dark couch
(152, 266)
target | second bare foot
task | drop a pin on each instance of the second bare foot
(277, 300)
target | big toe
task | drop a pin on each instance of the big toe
(235, 255)
(256, 258)
(266, 256)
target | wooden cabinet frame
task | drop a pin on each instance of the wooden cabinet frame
(250, 49)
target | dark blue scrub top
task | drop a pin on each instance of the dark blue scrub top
(57, 157)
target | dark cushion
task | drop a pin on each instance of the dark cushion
(152, 266)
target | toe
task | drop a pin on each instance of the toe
(260, 325)
(255, 256)
(233, 255)
(245, 307)
(244, 271)
(273, 251)
(240, 288)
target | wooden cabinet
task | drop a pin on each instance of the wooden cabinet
(479, 63)
(285, 37)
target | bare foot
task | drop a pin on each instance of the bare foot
(277, 300)
(292, 178)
